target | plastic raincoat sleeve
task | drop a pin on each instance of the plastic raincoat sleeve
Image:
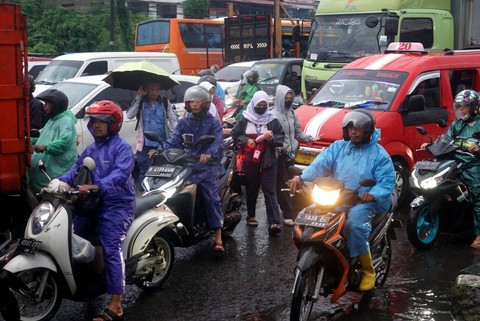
(321, 165)
(63, 143)
(384, 175)
(216, 148)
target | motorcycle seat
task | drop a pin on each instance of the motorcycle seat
(146, 202)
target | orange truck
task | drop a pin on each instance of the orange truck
(15, 118)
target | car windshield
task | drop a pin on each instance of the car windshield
(342, 38)
(58, 70)
(231, 73)
(269, 75)
(75, 91)
(360, 89)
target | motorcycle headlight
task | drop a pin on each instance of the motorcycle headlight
(41, 214)
(325, 196)
(433, 181)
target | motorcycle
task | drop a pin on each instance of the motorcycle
(169, 174)
(441, 203)
(323, 264)
(55, 263)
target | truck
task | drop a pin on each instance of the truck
(403, 88)
(345, 30)
(15, 121)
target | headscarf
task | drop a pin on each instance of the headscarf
(207, 86)
(252, 116)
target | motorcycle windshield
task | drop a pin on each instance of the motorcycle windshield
(444, 144)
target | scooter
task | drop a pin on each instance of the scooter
(442, 203)
(55, 263)
(323, 264)
(170, 172)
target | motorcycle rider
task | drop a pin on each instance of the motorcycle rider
(355, 157)
(247, 89)
(467, 103)
(207, 172)
(113, 181)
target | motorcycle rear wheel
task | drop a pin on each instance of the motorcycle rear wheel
(423, 227)
(163, 253)
(302, 301)
(50, 298)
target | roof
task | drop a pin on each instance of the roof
(115, 54)
(279, 60)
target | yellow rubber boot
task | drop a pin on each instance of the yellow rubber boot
(368, 273)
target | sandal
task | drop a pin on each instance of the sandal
(109, 315)
(274, 229)
(475, 245)
(218, 248)
(252, 221)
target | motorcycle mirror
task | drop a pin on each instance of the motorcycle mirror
(43, 169)
(421, 130)
(89, 163)
(205, 139)
(153, 136)
(441, 123)
(368, 182)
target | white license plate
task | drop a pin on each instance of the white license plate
(29, 246)
(315, 220)
(166, 170)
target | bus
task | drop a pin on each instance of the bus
(199, 43)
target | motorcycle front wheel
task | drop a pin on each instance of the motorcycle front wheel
(302, 300)
(46, 301)
(423, 227)
(382, 260)
(160, 261)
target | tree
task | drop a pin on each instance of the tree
(196, 9)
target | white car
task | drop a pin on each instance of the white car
(82, 91)
(229, 77)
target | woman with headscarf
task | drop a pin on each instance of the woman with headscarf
(257, 135)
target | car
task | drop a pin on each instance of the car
(82, 91)
(229, 77)
(37, 64)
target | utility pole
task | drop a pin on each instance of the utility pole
(278, 30)
(112, 25)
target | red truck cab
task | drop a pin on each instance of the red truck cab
(403, 88)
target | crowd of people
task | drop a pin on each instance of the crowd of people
(265, 138)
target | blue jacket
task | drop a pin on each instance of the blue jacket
(206, 124)
(351, 164)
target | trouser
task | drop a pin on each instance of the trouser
(266, 178)
(211, 198)
(143, 162)
(283, 198)
(112, 222)
(357, 229)
(471, 177)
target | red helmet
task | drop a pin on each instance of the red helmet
(107, 111)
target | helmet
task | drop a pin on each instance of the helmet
(107, 111)
(205, 72)
(253, 74)
(57, 98)
(469, 98)
(361, 119)
(209, 78)
(31, 81)
(197, 93)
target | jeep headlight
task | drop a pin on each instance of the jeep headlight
(40, 216)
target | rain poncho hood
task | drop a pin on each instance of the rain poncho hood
(252, 115)
(346, 162)
(289, 121)
(60, 138)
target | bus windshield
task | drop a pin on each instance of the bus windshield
(343, 38)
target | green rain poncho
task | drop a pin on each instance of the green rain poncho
(60, 138)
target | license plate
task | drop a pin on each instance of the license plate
(29, 246)
(428, 165)
(313, 219)
(166, 170)
(305, 158)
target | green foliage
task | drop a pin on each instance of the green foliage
(196, 9)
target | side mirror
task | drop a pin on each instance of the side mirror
(391, 26)
(152, 136)
(206, 139)
(421, 130)
(441, 123)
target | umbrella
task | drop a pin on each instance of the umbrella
(132, 75)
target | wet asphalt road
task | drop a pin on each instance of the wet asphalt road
(253, 279)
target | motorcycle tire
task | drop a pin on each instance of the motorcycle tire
(161, 252)
(384, 255)
(423, 227)
(302, 300)
(51, 299)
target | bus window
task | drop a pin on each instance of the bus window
(154, 32)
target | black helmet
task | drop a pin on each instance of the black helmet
(252, 74)
(361, 119)
(31, 81)
(57, 98)
(208, 78)
(206, 72)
